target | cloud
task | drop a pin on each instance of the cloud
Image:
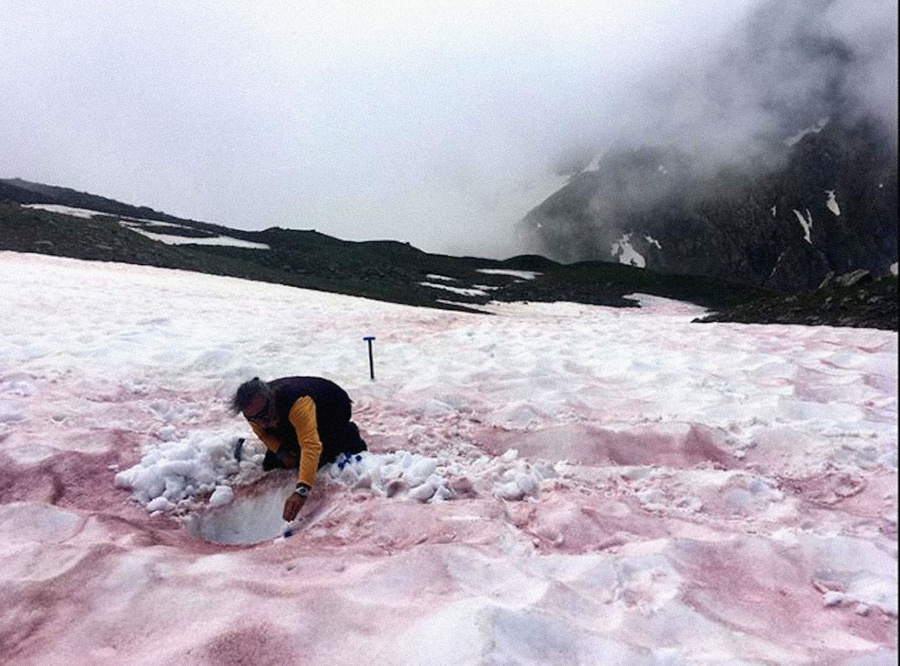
(787, 66)
(439, 123)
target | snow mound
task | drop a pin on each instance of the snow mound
(175, 472)
(425, 479)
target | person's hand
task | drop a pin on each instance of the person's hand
(292, 506)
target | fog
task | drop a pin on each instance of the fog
(437, 123)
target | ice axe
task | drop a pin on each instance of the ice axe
(369, 339)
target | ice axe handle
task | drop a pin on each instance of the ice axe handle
(369, 340)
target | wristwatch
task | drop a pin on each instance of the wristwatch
(302, 489)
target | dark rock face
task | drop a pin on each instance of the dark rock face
(831, 206)
(860, 303)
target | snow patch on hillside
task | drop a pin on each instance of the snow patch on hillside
(522, 275)
(812, 129)
(83, 213)
(806, 223)
(226, 241)
(462, 291)
(832, 203)
(625, 252)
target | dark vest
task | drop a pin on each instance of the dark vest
(332, 412)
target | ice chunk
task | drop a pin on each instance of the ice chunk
(221, 496)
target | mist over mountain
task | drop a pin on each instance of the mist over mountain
(771, 161)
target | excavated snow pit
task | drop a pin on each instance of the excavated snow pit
(245, 521)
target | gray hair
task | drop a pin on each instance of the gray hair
(248, 392)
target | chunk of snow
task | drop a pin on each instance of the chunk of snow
(181, 469)
(832, 202)
(833, 598)
(221, 496)
(159, 504)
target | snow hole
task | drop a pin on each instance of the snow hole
(244, 521)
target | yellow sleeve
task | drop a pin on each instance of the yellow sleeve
(303, 417)
(271, 442)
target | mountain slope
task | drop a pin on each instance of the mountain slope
(383, 270)
(830, 207)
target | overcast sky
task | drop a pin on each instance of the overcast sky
(438, 123)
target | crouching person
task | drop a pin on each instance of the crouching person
(304, 422)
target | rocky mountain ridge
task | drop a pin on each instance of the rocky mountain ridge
(829, 207)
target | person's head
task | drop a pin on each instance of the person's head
(256, 401)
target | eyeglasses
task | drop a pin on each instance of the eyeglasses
(261, 416)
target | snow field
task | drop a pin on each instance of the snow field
(556, 484)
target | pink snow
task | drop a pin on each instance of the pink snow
(690, 493)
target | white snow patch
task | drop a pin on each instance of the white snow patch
(156, 223)
(832, 202)
(462, 291)
(433, 276)
(523, 275)
(806, 223)
(87, 214)
(185, 240)
(83, 213)
(894, 268)
(813, 129)
(653, 241)
(666, 306)
(774, 211)
(626, 254)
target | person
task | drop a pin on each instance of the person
(304, 422)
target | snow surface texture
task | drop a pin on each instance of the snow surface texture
(557, 484)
